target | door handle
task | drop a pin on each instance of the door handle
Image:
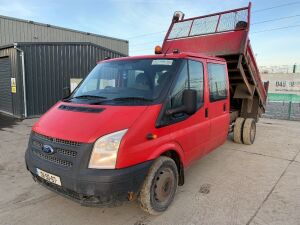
(206, 112)
(224, 107)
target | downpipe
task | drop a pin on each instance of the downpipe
(23, 78)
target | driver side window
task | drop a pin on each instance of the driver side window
(182, 83)
(190, 77)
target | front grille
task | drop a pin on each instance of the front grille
(58, 141)
(52, 159)
(61, 151)
(37, 144)
(66, 152)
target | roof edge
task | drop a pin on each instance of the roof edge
(61, 28)
(18, 44)
(7, 46)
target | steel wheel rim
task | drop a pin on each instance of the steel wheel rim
(164, 186)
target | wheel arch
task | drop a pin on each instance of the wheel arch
(176, 157)
(175, 152)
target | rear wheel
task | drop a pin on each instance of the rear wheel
(160, 186)
(238, 130)
(249, 131)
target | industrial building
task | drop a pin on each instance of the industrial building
(37, 61)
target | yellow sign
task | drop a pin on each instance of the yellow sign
(13, 85)
(13, 82)
(13, 89)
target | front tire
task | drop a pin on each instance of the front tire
(159, 187)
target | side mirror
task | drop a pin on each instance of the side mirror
(66, 92)
(189, 103)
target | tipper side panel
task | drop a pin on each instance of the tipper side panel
(225, 35)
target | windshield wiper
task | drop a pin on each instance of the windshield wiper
(84, 97)
(90, 96)
(131, 98)
(122, 99)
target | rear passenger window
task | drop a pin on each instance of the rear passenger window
(217, 81)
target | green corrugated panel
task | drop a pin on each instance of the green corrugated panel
(283, 97)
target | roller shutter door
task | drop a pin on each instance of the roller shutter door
(5, 86)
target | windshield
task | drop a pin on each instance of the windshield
(141, 80)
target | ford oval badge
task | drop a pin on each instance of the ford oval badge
(48, 149)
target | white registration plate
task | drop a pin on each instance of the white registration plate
(48, 176)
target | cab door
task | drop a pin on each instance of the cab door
(191, 132)
(218, 106)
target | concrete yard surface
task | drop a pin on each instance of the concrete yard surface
(235, 184)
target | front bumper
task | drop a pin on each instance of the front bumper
(91, 187)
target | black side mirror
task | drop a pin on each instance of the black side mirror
(189, 103)
(66, 92)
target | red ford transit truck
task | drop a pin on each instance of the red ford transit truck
(135, 124)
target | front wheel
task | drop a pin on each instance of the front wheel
(160, 186)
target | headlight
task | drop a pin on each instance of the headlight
(104, 154)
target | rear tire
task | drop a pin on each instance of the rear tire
(160, 186)
(249, 131)
(238, 130)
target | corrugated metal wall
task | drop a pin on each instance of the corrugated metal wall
(49, 67)
(5, 85)
(17, 98)
(16, 30)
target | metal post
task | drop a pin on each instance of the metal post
(23, 78)
(289, 110)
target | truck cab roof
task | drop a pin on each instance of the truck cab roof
(179, 55)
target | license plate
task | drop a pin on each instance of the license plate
(48, 177)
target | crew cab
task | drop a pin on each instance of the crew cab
(135, 124)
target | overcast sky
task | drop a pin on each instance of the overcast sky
(127, 19)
